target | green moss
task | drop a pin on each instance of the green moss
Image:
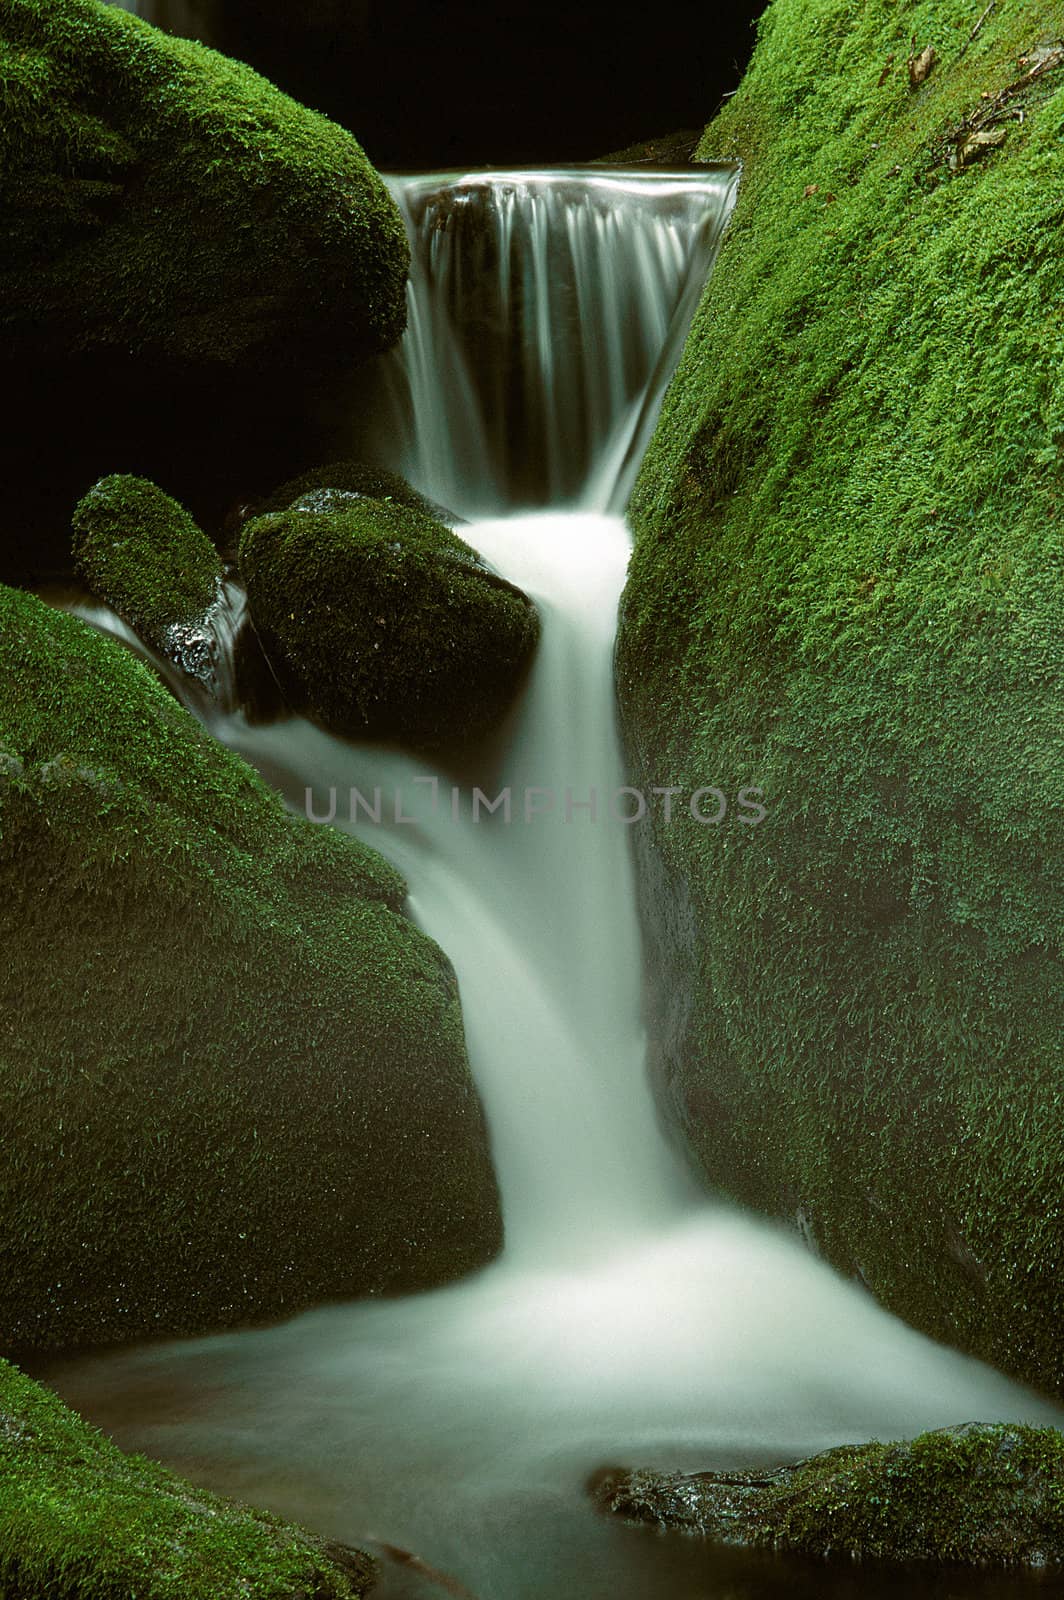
(142, 553)
(351, 477)
(669, 150)
(81, 1521)
(156, 198)
(847, 587)
(385, 623)
(233, 1077)
(975, 1494)
(980, 1494)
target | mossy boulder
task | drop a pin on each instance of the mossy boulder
(983, 1495)
(233, 1078)
(669, 150)
(159, 199)
(81, 1521)
(847, 588)
(385, 623)
(323, 489)
(142, 553)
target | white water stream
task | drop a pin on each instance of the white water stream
(629, 1319)
(546, 313)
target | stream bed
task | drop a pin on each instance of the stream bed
(631, 1320)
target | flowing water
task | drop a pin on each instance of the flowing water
(630, 1320)
(546, 311)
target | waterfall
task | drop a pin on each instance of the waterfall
(629, 1319)
(545, 311)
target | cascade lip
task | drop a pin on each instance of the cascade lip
(619, 179)
(561, 230)
(716, 181)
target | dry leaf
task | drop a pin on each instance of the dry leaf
(810, 190)
(1044, 57)
(885, 74)
(976, 145)
(920, 66)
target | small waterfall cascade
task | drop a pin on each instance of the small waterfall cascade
(629, 1319)
(553, 1017)
(546, 309)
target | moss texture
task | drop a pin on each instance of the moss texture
(385, 623)
(667, 150)
(848, 586)
(157, 198)
(233, 1077)
(983, 1495)
(81, 1521)
(142, 553)
(355, 478)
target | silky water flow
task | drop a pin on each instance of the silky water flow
(630, 1319)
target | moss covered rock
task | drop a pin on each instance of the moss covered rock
(233, 1078)
(323, 489)
(157, 198)
(847, 588)
(81, 1521)
(142, 553)
(988, 1495)
(669, 150)
(385, 623)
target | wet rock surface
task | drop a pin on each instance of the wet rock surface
(980, 1494)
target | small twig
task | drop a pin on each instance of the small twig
(406, 1559)
(1052, 59)
(975, 31)
(999, 109)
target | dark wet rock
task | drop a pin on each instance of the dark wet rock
(384, 624)
(256, 690)
(428, 1580)
(981, 1494)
